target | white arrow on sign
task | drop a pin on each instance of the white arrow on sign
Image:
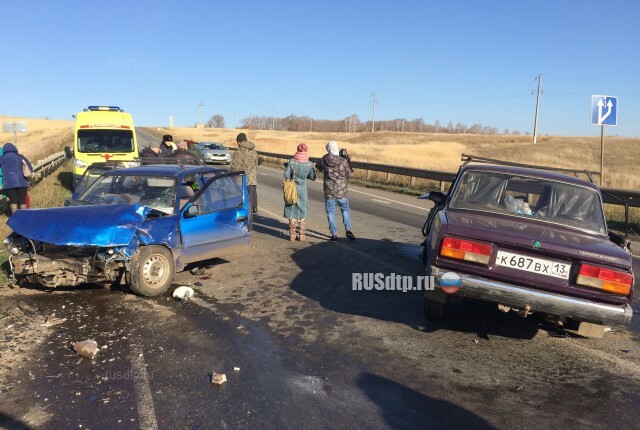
(606, 115)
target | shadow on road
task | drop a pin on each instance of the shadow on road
(65, 178)
(328, 278)
(10, 423)
(270, 226)
(403, 407)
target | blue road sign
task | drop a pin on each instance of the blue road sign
(604, 110)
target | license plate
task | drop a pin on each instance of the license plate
(533, 265)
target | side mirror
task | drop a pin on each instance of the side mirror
(192, 211)
(436, 197)
(68, 152)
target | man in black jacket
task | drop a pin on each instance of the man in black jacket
(150, 153)
(166, 147)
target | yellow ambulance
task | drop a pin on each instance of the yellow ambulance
(103, 133)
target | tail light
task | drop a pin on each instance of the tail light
(467, 250)
(609, 280)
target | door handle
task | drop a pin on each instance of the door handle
(241, 219)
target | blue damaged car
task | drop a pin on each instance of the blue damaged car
(143, 223)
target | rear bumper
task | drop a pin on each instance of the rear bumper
(540, 301)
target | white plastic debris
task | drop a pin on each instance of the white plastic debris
(183, 293)
(236, 369)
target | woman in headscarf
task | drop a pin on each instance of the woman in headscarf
(13, 181)
(300, 169)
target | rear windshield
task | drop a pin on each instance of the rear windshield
(101, 141)
(526, 197)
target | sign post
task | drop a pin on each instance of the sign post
(604, 111)
(14, 127)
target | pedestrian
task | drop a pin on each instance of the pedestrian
(336, 176)
(13, 180)
(193, 148)
(166, 147)
(151, 153)
(299, 168)
(183, 153)
(246, 158)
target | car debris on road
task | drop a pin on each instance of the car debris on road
(218, 378)
(183, 293)
(86, 348)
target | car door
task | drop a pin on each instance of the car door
(214, 221)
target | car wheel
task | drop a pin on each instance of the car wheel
(152, 269)
(433, 310)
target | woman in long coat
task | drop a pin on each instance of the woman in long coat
(300, 169)
(13, 181)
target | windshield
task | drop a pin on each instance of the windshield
(92, 173)
(156, 192)
(100, 141)
(526, 197)
(213, 146)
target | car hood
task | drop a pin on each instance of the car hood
(92, 225)
(548, 239)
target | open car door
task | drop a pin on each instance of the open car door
(215, 220)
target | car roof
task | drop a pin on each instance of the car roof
(533, 173)
(165, 170)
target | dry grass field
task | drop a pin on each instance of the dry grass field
(442, 151)
(43, 138)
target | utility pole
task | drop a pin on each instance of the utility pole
(311, 126)
(201, 125)
(373, 113)
(535, 122)
(273, 119)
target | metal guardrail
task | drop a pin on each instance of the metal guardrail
(43, 168)
(632, 197)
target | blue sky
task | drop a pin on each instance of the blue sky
(472, 61)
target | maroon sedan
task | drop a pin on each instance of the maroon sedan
(530, 240)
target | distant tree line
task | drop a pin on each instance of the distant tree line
(352, 124)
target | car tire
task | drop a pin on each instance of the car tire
(151, 271)
(433, 310)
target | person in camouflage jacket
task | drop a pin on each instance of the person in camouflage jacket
(336, 176)
(246, 158)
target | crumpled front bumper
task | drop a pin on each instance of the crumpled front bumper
(540, 301)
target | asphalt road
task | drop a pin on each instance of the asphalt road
(310, 351)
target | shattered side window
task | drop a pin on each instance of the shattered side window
(555, 202)
(224, 193)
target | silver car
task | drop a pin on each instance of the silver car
(215, 152)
